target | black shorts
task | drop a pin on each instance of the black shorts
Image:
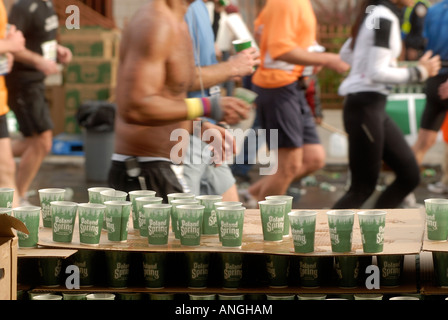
(4, 132)
(286, 110)
(436, 108)
(30, 107)
(158, 175)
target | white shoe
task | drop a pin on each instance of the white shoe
(438, 187)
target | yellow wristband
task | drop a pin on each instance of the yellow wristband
(194, 108)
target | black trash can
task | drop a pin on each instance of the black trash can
(96, 119)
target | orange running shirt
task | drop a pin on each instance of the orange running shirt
(3, 92)
(284, 25)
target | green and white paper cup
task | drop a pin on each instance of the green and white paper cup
(112, 195)
(190, 224)
(303, 229)
(225, 204)
(241, 44)
(6, 197)
(372, 224)
(391, 269)
(132, 196)
(347, 271)
(154, 266)
(288, 209)
(94, 194)
(91, 216)
(29, 215)
(231, 222)
(117, 220)
(46, 196)
(63, 215)
(140, 212)
(232, 269)
(437, 219)
(272, 219)
(50, 270)
(340, 224)
(118, 268)
(174, 219)
(179, 195)
(440, 261)
(209, 222)
(86, 261)
(198, 269)
(277, 267)
(157, 217)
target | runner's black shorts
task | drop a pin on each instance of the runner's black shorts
(436, 108)
(158, 175)
(30, 107)
(4, 132)
(286, 110)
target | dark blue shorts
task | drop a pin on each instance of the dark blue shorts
(286, 110)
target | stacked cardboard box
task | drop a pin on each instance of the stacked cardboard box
(91, 75)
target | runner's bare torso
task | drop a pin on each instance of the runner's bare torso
(156, 70)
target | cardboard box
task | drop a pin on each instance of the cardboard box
(94, 43)
(77, 94)
(9, 243)
(91, 71)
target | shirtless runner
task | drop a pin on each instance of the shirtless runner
(156, 71)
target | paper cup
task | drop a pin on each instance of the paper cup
(74, 296)
(245, 94)
(404, 298)
(311, 296)
(241, 44)
(112, 195)
(117, 220)
(46, 196)
(179, 195)
(91, 216)
(63, 215)
(157, 217)
(118, 268)
(132, 196)
(29, 215)
(279, 296)
(154, 266)
(94, 194)
(203, 296)
(232, 270)
(9, 211)
(198, 269)
(48, 297)
(140, 212)
(391, 269)
(368, 296)
(231, 222)
(347, 270)
(86, 261)
(225, 204)
(288, 209)
(50, 271)
(440, 261)
(100, 296)
(190, 224)
(174, 216)
(209, 221)
(437, 219)
(272, 219)
(6, 197)
(303, 228)
(161, 296)
(130, 296)
(277, 267)
(231, 296)
(372, 224)
(311, 271)
(340, 224)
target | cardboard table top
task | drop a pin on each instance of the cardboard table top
(403, 235)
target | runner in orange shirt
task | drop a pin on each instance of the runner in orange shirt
(287, 31)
